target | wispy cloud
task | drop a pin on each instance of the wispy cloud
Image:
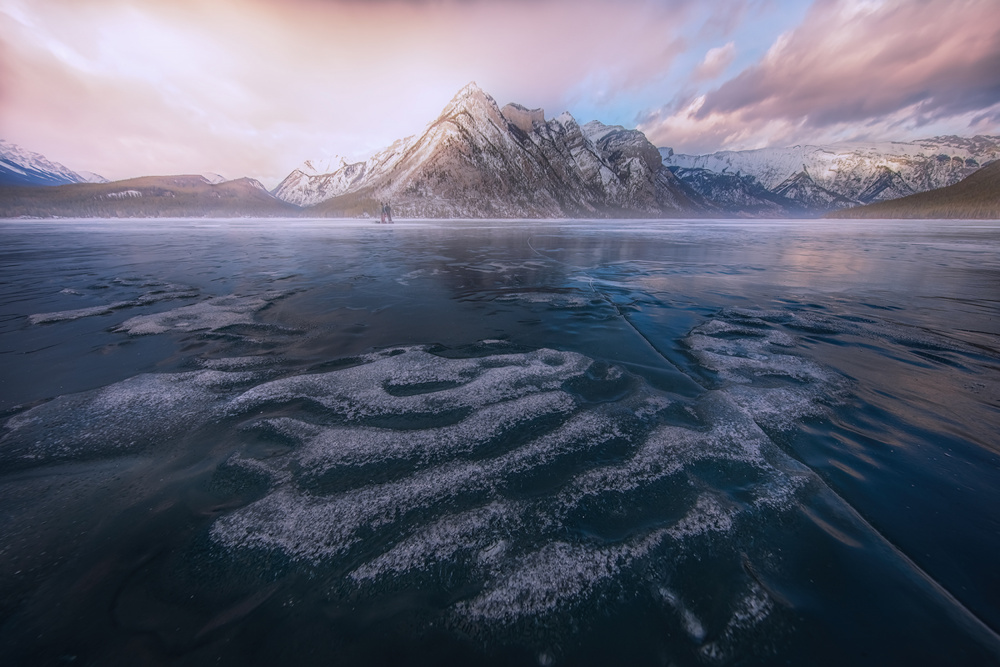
(253, 87)
(850, 67)
(256, 86)
(715, 62)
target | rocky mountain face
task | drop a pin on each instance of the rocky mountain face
(147, 197)
(813, 180)
(23, 167)
(477, 160)
(737, 194)
(975, 197)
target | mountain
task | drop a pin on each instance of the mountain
(975, 197)
(477, 160)
(146, 197)
(738, 194)
(821, 178)
(811, 196)
(23, 167)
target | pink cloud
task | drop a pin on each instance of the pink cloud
(253, 87)
(715, 62)
(889, 64)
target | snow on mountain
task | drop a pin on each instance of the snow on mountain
(976, 197)
(318, 180)
(214, 178)
(91, 177)
(738, 194)
(320, 166)
(19, 166)
(478, 160)
(802, 189)
(851, 172)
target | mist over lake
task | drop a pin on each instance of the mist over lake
(678, 442)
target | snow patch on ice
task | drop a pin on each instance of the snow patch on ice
(134, 413)
(451, 503)
(160, 292)
(212, 315)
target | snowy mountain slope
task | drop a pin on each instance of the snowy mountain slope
(975, 197)
(19, 166)
(855, 172)
(478, 160)
(318, 180)
(738, 194)
(806, 192)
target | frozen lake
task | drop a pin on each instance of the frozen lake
(500, 442)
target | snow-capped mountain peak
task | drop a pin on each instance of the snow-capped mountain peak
(478, 160)
(19, 166)
(470, 89)
(324, 165)
(820, 177)
(91, 177)
(595, 130)
(471, 100)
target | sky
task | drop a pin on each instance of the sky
(253, 88)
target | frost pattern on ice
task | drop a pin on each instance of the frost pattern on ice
(454, 499)
(155, 292)
(121, 417)
(212, 314)
(497, 474)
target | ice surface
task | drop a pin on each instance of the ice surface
(160, 292)
(238, 363)
(314, 528)
(121, 417)
(748, 612)
(384, 386)
(44, 318)
(496, 473)
(690, 622)
(354, 446)
(212, 314)
(475, 533)
(502, 517)
(755, 352)
(540, 582)
(555, 299)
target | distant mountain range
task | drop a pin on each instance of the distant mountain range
(146, 197)
(814, 180)
(975, 197)
(22, 167)
(478, 160)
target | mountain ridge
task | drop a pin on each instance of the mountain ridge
(145, 197)
(479, 160)
(848, 173)
(977, 196)
(19, 166)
